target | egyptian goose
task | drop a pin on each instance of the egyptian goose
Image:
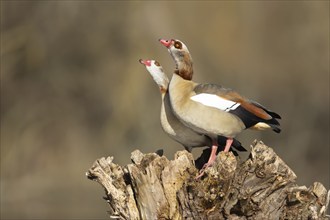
(170, 124)
(212, 109)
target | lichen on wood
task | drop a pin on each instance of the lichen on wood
(262, 187)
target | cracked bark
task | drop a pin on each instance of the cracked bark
(262, 187)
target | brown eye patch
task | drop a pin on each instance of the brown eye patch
(178, 45)
(157, 64)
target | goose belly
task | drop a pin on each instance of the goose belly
(209, 120)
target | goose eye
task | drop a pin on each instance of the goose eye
(157, 64)
(178, 45)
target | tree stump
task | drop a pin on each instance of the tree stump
(262, 187)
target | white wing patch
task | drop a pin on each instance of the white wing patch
(215, 101)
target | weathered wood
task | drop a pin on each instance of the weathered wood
(262, 187)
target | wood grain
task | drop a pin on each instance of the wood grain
(262, 187)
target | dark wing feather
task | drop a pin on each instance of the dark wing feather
(273, 114)
(250, 112)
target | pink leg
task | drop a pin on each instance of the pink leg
(211, 160)
(228, 144)
(213, 156)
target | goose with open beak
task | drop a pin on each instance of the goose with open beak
(170, 124)
(211, 109)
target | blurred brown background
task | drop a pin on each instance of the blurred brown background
(72, 89)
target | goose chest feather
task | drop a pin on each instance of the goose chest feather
(199, 117)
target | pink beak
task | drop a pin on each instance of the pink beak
(166, 43)
(145, 62)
